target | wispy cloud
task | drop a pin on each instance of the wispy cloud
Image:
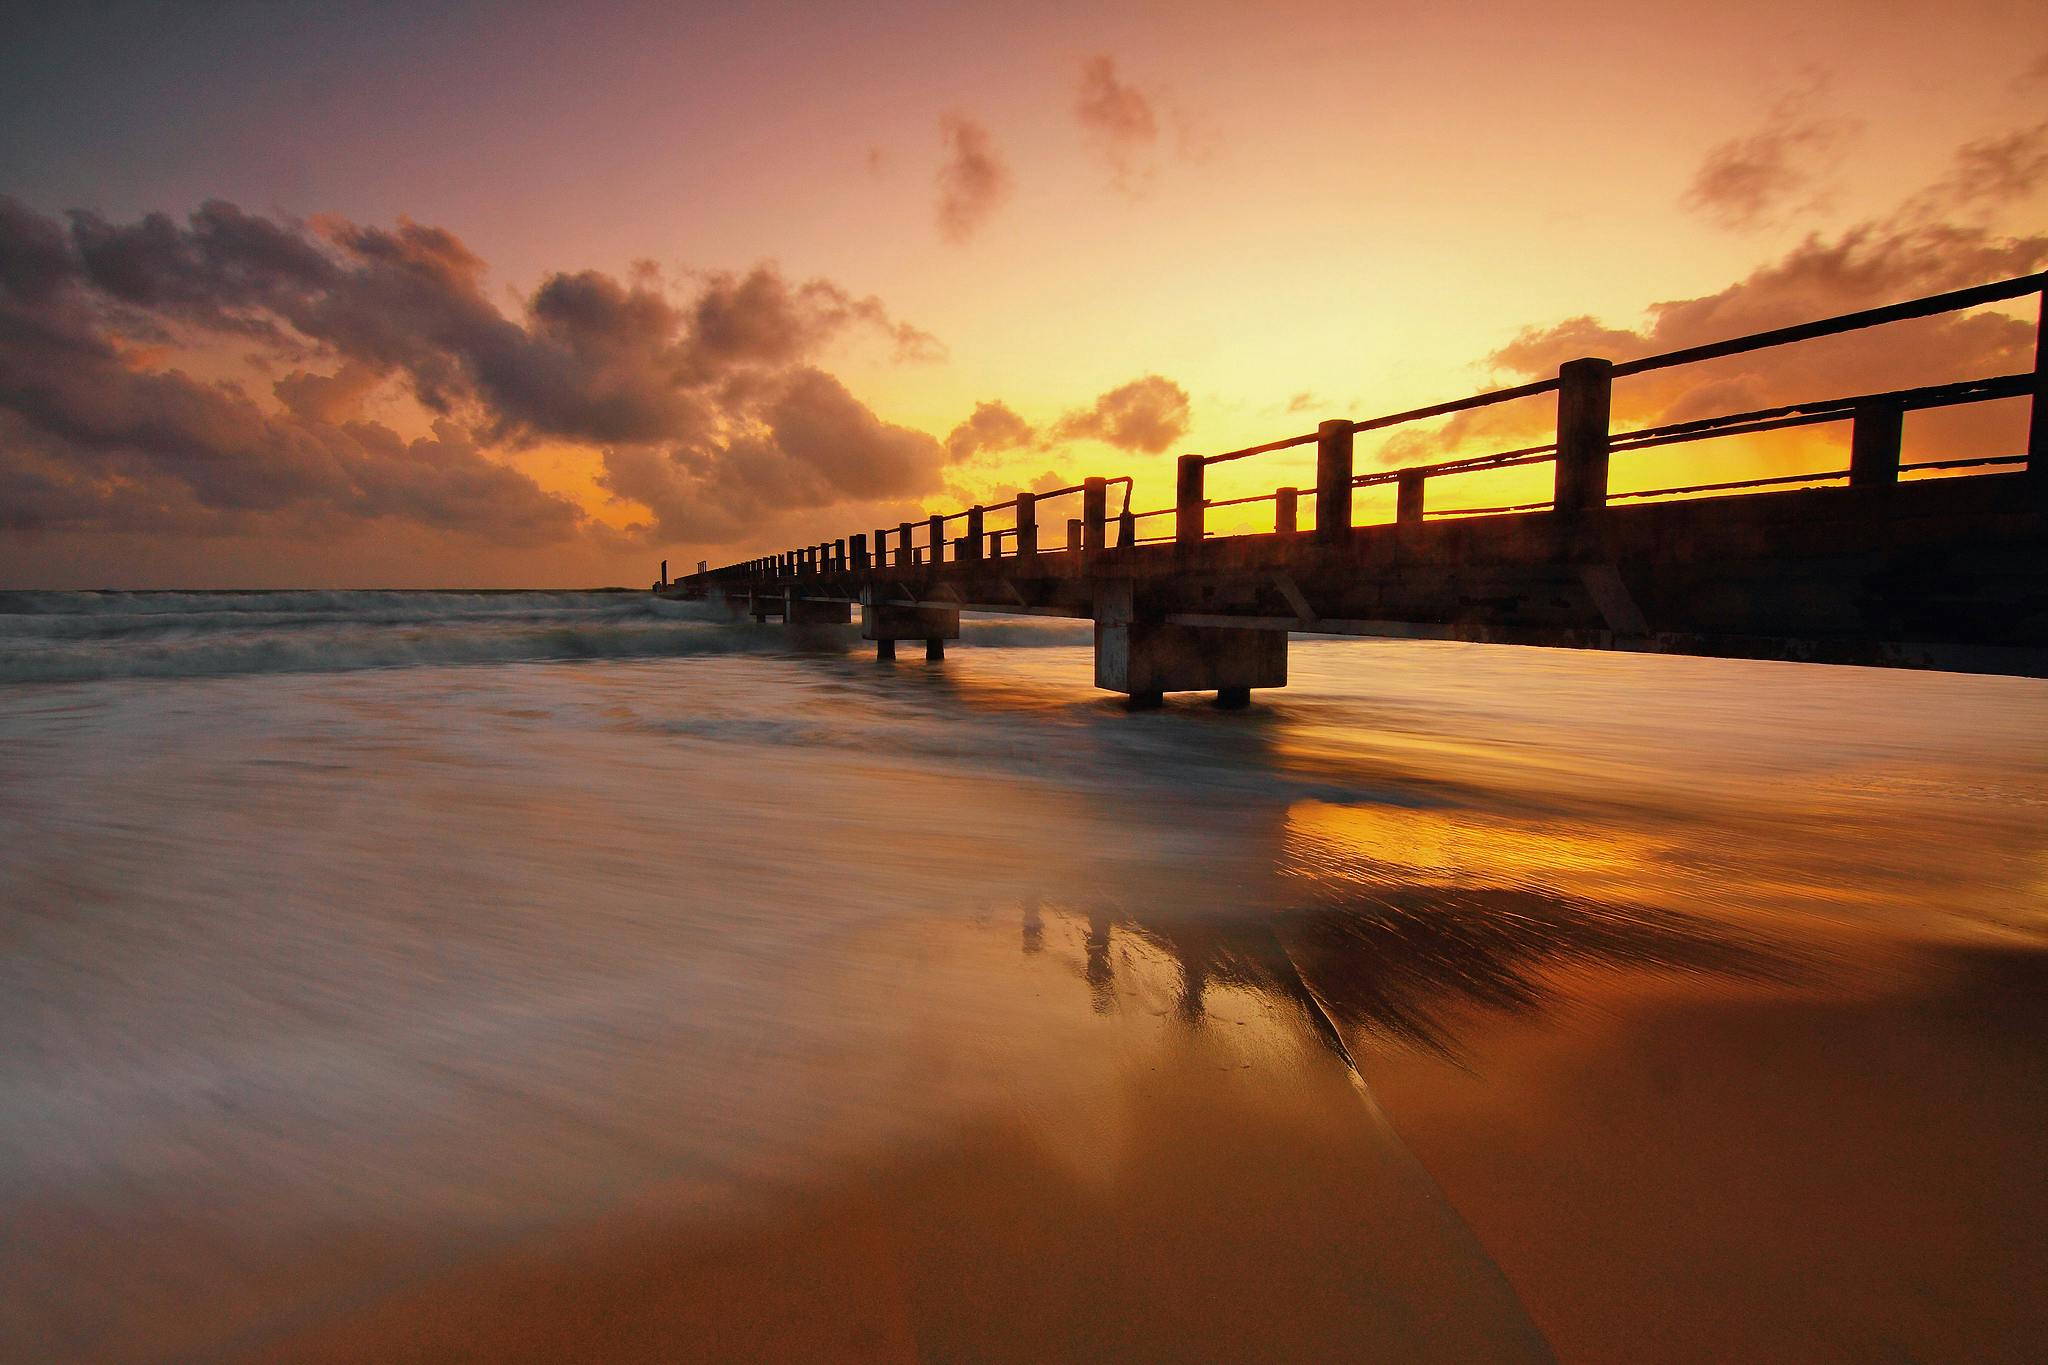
(974, 180)
(1120, 123)
(1755, 180)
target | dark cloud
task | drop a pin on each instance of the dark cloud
(810, 445)
(974, 179)
(1120, 123)
(1754, 180)
(716, 379)
(1146, 415)
(993, 427)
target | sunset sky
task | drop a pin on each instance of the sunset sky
(448, 294)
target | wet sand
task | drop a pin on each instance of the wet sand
(830, 1012)
(1663, 1169)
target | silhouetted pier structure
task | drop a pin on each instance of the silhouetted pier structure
(1853, 565)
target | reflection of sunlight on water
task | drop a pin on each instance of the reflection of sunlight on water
(1366, 846)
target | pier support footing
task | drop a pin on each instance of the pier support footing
(1145, 659)
(887, 622)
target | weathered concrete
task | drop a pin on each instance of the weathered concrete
(885, 620)
(802, 611)
(1947, 573)
(1146, 659)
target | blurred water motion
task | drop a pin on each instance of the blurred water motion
(380, 982)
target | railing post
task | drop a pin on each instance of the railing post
(1584, 394)
(1188, 503)
(1126, 527)
(1333, 481)
(1286, 511)
(1094, 512)
(859, 546)
(937, 534)
(1027, 525)
(1073, 535)
(839, 555)
(2037, 424)
(903, 545)
(976, 536)
(1874, 444)
(1408, 495)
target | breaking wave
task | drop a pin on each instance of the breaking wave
(87, 636)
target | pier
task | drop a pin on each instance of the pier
(1938, 563)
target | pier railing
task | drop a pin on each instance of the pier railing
(1581, 450)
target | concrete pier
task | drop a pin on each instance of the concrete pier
(1896, 560)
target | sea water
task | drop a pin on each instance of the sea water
(353, 937)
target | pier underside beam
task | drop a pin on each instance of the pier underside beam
(808, 613)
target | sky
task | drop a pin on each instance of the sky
(442, 294)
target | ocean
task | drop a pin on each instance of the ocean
(416, 975)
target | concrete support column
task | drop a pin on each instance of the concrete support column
(1286, 511)
(1094, 514)
(1408, 496)
(1584, 395)
(1027, 525)
(1874, 444)
(1333, 481)
(2037, 425)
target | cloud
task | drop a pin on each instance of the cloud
(1753, 181)
(104, 326)
(993, 427)
(811, 445)
(974, 180)
(1146, 415)
(1120, 123)
(1998, 170)
(1936, 240)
